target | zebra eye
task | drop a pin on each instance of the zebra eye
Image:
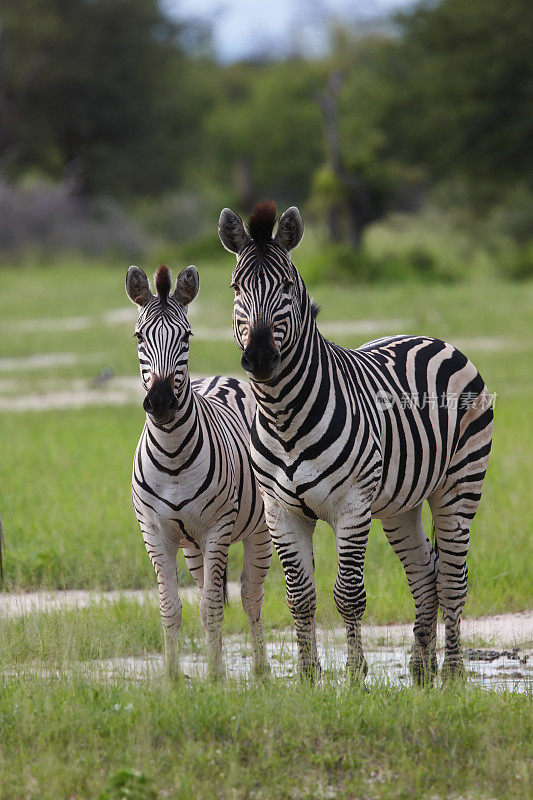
(236, 287)
(186, 336)
(139, 337)
(286, 286)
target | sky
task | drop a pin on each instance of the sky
(247, 28)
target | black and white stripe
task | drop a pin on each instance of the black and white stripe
(193, 486)
(348, 435)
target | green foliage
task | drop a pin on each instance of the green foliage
(370, 67)
(206, 248)
(518, 263)
(326, 188)
(264, 130)
(112, 97)
(95, 88)
(465, 107)
(344, 263)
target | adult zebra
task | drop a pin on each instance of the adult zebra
(193, 485)
(346, 435)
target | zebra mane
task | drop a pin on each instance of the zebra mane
(261, 222)
(315, 309)
(163, 283)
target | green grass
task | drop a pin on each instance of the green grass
(66, 509)
(69, 522)
(65, 475)
(83, 739)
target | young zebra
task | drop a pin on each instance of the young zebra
(347, 435)
(193, 485)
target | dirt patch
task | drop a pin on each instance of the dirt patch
(500, 630)
(387, 647)
(386, 666)
(44, 361)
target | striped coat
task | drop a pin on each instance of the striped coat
(193, 486)
(348, 435)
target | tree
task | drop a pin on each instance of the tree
(466, 106)
(93, 87)
(363, 176)
(265, 130)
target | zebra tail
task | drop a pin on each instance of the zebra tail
(225, 585)
(434, 542)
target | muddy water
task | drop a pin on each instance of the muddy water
(386, 646)
(387, 665)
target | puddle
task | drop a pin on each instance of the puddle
(387, 647)
(385, 666)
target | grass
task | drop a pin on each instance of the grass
(65, 504)
(83, 739)
(54, 538)
(65, 475)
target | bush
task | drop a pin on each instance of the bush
(51, 218)
(341, 262)
(518, 263)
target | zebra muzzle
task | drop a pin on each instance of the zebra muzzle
(261, 357)
(161, 402)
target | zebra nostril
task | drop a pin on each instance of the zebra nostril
(246, 363)
(147, 405)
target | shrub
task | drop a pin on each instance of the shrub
(52, 218)
(341, 262)
(518, 263)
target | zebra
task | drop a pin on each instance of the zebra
(346, 435)
(193, 486)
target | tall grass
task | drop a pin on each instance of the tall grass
(84, 739)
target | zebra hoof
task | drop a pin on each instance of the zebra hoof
(453, 669)
(423, 668)
(357, 671)
(310, 673)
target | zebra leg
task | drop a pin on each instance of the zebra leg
(406, 534)
(292, 535)
(212, 602)
(452, 535)
(349, 590)
(163, 554)
(454, 505)
(257, 551)
(195, 562)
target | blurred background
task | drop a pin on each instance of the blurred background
(402, 130)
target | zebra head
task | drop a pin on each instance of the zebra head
(269, 292)
(162, 332)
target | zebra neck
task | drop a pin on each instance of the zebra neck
(179, 438)
(303, 373)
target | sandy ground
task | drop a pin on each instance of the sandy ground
(501, 630)
(387, 647)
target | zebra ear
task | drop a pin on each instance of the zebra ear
(187, 285)
(290, 229)
(231, 231)
(137, 286)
